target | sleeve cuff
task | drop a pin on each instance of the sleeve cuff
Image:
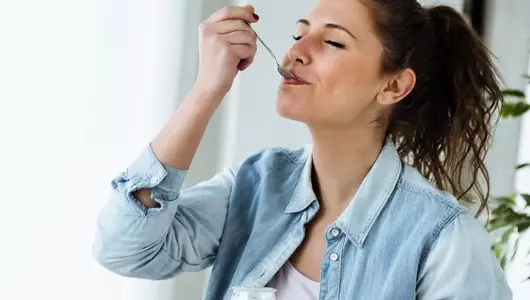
(147, 172)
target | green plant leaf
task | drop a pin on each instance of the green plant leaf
(522, 166)
(496, 249)
(513, 93)
(514, 109)
(526, 198)
(514, 217)
(499, 250)
(497, 223)
(523, 226)
(506, 235)
(501, 211)
(514, 249)
(503, 261)
(507, 200)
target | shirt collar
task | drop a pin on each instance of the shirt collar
(369, 200)
(303, 194)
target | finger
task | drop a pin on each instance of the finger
(243, 51)
(244, 64)
(245, 13)
(240, 38)
(228, 26)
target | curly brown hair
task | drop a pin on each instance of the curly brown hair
(444, 126)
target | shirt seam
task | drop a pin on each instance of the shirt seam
(288, 153)
(432, 242)
(453, 213)
(415, 189)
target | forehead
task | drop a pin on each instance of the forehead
(352, 14)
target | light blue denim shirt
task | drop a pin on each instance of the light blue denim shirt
(399, 238)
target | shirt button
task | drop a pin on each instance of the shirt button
(335, 232)
(154, 180)
(334, 256)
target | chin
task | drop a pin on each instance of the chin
(289, 107)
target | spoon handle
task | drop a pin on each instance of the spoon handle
(265, 45)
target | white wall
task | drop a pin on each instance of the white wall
(508, 36)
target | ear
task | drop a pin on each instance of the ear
(397, 87)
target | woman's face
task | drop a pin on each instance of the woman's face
(338, 55)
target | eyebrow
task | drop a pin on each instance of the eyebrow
(329, 25)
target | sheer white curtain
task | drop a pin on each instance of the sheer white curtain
(84, 85)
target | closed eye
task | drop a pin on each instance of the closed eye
(332, 43)
(335, 44)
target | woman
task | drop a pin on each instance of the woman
(379, 83)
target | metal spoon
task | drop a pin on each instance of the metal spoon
(284, 72)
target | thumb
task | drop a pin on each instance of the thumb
(250, 8)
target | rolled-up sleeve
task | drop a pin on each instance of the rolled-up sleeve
(181, 235)
(462, 266)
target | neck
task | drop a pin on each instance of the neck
(341, 160)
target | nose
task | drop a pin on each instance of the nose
(297, 54)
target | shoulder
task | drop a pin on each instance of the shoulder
(413, 185)
(419, 202)
(459, 261)
(461, 265)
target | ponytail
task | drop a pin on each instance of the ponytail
(443, 127)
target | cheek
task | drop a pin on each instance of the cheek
(347, 89)
(359, 72)
(345, 80)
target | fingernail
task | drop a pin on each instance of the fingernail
(256, 17)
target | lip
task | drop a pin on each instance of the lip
(294, 81)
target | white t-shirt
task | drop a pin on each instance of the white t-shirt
(291, 284)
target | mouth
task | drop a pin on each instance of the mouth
(294, 81)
